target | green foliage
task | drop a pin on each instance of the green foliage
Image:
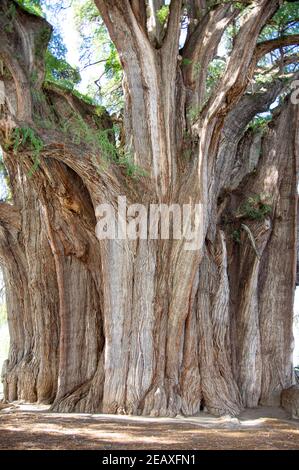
(12, 11)
(66, 86)
(127, 161)
(112, 64)
(186, 61)
(215, 71)
(10, 16)
(32, 6)
(83, 97)
(61, 72)
(102, 142)
(240, 6)
(44, 123)
(196, 70)
(259, 123)
(121, 156)
(99, 54)
(188, 144)
(111, 91)
(162, 14)
(263, 79)
(236, 235)
(58, 70)
(254, 208)
(57, 46)
(41, 41)
(193, 113)
(33, 77)
(285, 21)
(25, 138)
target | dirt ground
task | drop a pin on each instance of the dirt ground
(30, 427)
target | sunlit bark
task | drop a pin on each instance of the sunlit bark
(146, 327)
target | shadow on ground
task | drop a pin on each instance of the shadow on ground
(34, 427)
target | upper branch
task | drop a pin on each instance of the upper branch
(139, 10)
(147, 70)
(174, 25)
(279, 64)
(196, 10)
(122, 20)
(202, 44)
(265, 47)
(240, 66)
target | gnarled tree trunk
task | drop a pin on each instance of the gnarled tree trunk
(146, 326)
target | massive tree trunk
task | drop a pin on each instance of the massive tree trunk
(146, 326)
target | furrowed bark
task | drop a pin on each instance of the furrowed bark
(31, 290)
(146, 326)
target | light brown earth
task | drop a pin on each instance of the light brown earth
(34, 427)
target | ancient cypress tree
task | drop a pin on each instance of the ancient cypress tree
(145, 326)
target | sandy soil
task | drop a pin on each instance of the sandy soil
(34, 427)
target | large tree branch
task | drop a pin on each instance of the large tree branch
(174, 25)
(240, 65)
(279, 64)
(204, 34)
(233, 130)
(229, 91)
(196, 9)
(249, 105)
(171, 42)
(265, 47)
(155, 28)
(136, 53)
(139, 9)
(201, 47)
(149, 86)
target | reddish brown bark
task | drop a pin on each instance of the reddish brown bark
(146, 327)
